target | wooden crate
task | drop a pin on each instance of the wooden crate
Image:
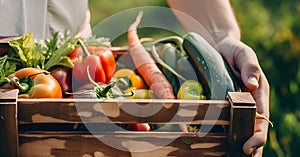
(82, 127)
(53, 127)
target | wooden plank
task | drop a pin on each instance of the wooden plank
(242, 118)
(122, 111)
(4, 46)
(122, 144)
(8, 123)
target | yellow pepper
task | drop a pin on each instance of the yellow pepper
(191, 90)
(142, 94)
(128, 79)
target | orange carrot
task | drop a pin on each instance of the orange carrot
(146, 66)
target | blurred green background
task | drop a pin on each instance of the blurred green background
(272, 29)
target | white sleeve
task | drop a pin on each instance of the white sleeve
(11, 17)
(44, 17)
(69, 14)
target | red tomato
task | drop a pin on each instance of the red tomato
(139, 127)
(63, 76)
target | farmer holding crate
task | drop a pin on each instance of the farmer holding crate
(20, 17)
(218, 18)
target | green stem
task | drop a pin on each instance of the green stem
(23, 87)
(90, 78)
(176, 40)
(16, 60)
(84, 49)
(104, 91)
(43, 72)
(124, 95)
(24, 84)
(160, 61)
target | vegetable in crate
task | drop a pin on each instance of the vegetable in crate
(99, 89)
(64, 78)
(169, 56)
(146, 66)
(50, 54)
(138, 127)
(174, 63)
(100, 60)
(197, 55)
(142, 94)
(128, 80)
(44, 54)
(191, 90)
(26, 53)
(35, 83)
(5, 69)
(210, 66)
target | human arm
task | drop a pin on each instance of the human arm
(217, 17)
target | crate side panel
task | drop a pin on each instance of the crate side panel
(123, 111)
(122, 144)
(8, 123)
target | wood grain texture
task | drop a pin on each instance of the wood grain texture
(241, 99)
(122, 111)
(42, 117)
(242, 119)
(4, 46)
(8, 123)
(124, 144)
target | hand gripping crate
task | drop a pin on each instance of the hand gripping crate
(51, 127)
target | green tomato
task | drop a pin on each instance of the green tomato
(191, 90)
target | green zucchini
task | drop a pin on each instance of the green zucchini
(209, 66)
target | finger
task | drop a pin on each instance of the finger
(253, 143)
(258, 139)
(242, 60)
(258, 152)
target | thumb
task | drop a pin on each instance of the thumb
(243, 58)
(250, 74)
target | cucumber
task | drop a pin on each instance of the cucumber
(209, 66)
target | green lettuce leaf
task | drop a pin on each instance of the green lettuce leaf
(25, 52)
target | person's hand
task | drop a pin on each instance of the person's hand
(244, 63)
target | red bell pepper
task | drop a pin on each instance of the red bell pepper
(99, 59)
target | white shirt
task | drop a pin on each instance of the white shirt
(44, 17)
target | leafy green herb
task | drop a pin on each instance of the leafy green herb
(59, 47)
(5, 69)
(49, 53)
